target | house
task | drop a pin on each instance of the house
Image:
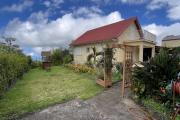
(171, 41)
(127, 32)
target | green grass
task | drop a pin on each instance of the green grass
(116, 77)
(158, 107)
(39, 89)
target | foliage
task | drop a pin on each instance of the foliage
(117, 71)
(39, 89)
(157, 107)
(156, 73)
(12, 66)
(81, 68)
(36, 64)
(119, 67)
(57, 57)
(60, 57)
(90, 64)
(100, 73)
(67, 59)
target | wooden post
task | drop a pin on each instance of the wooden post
(124, 72)
(104, 66)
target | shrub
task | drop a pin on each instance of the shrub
(36, 64)
(156, 73)
(12, 66)
(100, 73)
(81, 68)
(119, 67)
(67, 59)
(60, 57)
(57, 57)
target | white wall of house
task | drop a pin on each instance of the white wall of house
(81, 52)
(131, 33)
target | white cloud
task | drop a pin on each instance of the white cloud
(122, 1)
(18, 7)
(157, 4)
(53, 3)
(161, 30)
(101, 1)
(133, 1)
(172, 6)
(39, 17)
(47, 3)
(55, 33)
(87, 11)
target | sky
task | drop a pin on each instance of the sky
(47, 24)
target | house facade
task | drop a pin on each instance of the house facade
(141, 44)
(171, 41)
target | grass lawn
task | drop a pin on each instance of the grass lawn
(39, 89)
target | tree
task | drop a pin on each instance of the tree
(57, 57)
(9, 40)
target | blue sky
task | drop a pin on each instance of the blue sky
(46, 24)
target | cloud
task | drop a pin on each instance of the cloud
(133, 1)
(101, 1)
(172, 6)
(161, 30)
(45, 33)
(157, 4)
(53, 3)
(18, 7)
(39, 17)
(122, 1)
(87, 11)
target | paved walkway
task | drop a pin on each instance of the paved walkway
(107, 106)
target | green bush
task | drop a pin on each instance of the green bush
(67, 59)
(60, 57)
(157, 72)
(12, 66)
(36, 64)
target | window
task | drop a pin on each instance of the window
(87, 50)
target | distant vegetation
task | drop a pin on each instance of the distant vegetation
(60, 57)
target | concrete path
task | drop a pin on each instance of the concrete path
(107, 106)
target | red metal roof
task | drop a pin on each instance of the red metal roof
(105, 33)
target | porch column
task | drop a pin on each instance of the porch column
(153, 51)
(141, 52)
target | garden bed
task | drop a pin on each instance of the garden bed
(156, 110)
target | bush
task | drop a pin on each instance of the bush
(36, 64)
(57, 57)
(81, 68)
(12, 66)
(67, 59)
(100, 73)
(156, 73)
(60, 57)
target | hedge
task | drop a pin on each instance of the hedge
(12, 66)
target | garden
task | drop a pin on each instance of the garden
(25, 87)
